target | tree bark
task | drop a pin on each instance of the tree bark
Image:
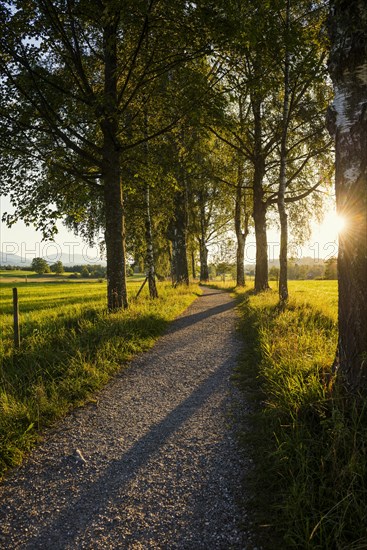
(193, 268)
(240, 261)
(283, 217)
(204, 269)
(149, 256)
(203, 250)
(348, 69)
(111, 175)
(260, 205)
(261, 268)
(178, 234)
(241, 243)
(153, 292)
(241, 235)
(114, 235)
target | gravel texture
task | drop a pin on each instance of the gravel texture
(154, 462)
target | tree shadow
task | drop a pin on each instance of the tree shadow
(187, 320)
(68, 523)
(60, 356)
(258, 438)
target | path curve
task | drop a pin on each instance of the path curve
(162, 465)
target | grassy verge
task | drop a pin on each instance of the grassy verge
(309, 444)
(70, 348)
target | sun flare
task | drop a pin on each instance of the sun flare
(339, 222)
(333, 225)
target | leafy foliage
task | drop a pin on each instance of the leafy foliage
(40, 266)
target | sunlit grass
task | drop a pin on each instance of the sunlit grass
(309, 443)
(322, 295)
(70, 347)
(8, 274)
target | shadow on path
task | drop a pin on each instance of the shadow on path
(75, 519)
(188, 320)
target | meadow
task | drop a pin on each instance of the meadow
(70, 347)
(308, 442)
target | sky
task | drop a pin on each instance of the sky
(27, 242)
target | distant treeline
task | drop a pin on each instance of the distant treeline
(86, 270)
(322, 270)
(296, 271)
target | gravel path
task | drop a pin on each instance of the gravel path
(162, 467)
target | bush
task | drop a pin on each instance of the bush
(40, 266)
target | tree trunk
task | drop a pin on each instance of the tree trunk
(283, 217)
(180, 271)
(115, 236)
(204, 269)
(149, 256)
(193, 269)
(348, 68)
(203, 250)
(261, 268)
(260, 206)
(283, 261)
(240, 259)
(259, 215)
(153, 292)
(114, 209)
(240, 210)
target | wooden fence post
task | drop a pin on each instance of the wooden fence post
(16, 318)
(141, 288)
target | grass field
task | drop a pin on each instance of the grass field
(70, 347)
(30, 276)
(308, 441)
(19, 273)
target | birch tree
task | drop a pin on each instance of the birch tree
(283, 283)
(276, 72)
(303, 91)
(348, 123)
(71, 71)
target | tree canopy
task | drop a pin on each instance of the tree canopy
(164, 125)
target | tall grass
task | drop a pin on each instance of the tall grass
(309, 442)
(70, 347)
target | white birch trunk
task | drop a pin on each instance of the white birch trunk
(283, 275)
(348, 69)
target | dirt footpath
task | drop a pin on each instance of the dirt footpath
(154, 464)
